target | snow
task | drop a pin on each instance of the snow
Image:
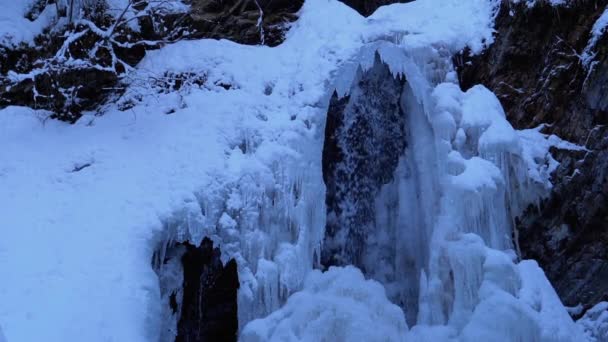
(598, 29)
(85, 207)
(86, 268)
(540, 295)
(536, 147)
(438, 22)
(337, 305)
(15, 28)
(595, 322)
(495, 300)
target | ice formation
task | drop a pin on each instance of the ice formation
(337, 305)
(238, 160)
(599, 27)
(457, 188)
(595, 322)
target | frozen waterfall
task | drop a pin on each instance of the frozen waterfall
(424, 182)
(415, 183)
(340, 186)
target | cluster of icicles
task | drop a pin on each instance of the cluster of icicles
(454, 268)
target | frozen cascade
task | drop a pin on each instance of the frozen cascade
(273, 234)
(448, 180)
(461, 180)
(238, 167)
(364, 136)
(445, 170)
(269, 221)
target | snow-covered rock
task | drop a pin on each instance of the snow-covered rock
(337, 305)
(595, 322)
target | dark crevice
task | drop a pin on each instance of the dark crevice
(198, 292)
(209, 306)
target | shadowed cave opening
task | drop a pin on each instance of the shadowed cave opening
(198, 293)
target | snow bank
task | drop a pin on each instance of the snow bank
(15, 28)
(537, 292)
(595, 322)
(425, 23)
(494, 299)
(337, 305)
(598, 29)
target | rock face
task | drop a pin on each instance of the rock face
(367, 7)
(45, 76)
(45, 79)
(364, 138)
(209, 303)
(70, 70)
(244, 21)
(537, 68)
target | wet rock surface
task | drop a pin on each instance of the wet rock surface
(536, 70)
(198, 292)
(364, 138)
(209, 304)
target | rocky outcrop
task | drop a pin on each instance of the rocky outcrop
(243, 21)
(537, 69)
(75, 69)
(41, 76)
(367, 7)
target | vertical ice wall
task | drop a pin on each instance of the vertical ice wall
(460, 170)
(436, 164)
(269, 220)
(364, 140)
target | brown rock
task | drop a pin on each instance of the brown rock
(535, 70)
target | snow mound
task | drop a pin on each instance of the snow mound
(337, 305)
(15, 28)
(598, 29)
(595, 322)
(493, 299)
(498, 300)
(537, 292)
